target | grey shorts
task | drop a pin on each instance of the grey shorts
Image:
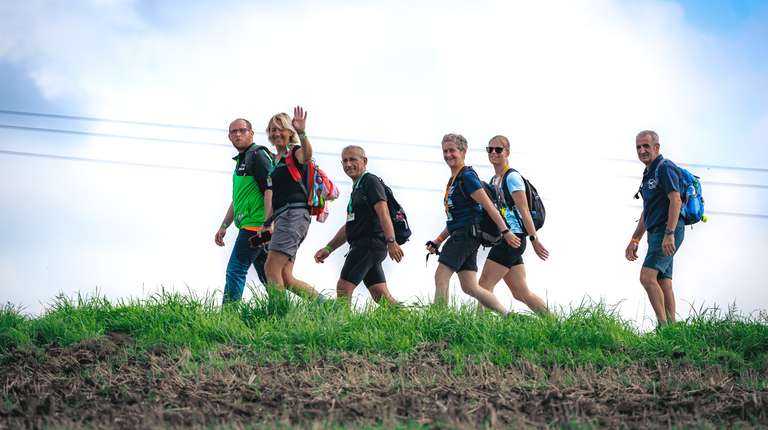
(290, 229)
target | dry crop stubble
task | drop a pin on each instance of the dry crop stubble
(108, 383)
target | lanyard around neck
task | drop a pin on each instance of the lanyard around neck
(354, 187)
(448, 188)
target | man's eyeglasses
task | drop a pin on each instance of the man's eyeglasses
(496, 149)
(239, 130)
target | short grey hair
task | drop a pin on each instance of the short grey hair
(459, 140)
(654, 136)
(354, 147)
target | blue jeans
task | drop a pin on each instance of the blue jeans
(243, 256)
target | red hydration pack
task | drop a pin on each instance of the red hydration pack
(315, 183)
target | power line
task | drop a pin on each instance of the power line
(110, 135)
(707, 183)
(193, 127)
(325, 153)
(218, 171)
(191, 142)
(340, 139)
(118, 162)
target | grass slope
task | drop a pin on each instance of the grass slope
(286, 330)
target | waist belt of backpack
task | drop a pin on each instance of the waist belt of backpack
(285, 207)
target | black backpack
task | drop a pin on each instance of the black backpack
(535, 204)
(396, 214)
(485, 230)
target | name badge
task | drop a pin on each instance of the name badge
(350, 217)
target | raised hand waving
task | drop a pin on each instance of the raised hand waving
(299, 119)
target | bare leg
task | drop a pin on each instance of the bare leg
(274, 269)
(518, 285)
(669, 298)
(493, 272)
(344, 290)
(655, 295)
(296, 286)
(442, 278)
(381, 294)
(468, 280)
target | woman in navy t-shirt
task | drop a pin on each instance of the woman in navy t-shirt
(464, 201)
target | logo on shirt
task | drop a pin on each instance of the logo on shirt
(651, 184)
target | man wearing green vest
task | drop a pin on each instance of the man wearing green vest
(251, 205)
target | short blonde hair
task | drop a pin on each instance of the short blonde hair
(503, 139)
(459, 140)
(283, 122)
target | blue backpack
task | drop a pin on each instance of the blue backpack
(692, 210)
(693, 202)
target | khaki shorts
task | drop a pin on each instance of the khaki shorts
(290, 229)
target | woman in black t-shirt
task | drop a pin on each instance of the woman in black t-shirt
(289, 202)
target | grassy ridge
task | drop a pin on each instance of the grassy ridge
(288, 330)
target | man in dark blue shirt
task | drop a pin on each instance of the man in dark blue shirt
(660, 190)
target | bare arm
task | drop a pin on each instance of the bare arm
(675, 203)
(631, 252)
(382, 211)
(300, 124)
(228, 218)
(338, 239)
(438, 241)
(521, 202)
(481, 197)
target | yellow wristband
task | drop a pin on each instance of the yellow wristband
(635, 241)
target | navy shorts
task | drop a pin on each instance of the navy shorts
(655, 259)
(460, 252)
(506, 255)
(363, 262)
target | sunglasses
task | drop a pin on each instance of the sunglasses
(496, 149)
(239, 130)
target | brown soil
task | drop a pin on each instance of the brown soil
(107, 383)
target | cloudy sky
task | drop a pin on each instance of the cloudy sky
(131, 205)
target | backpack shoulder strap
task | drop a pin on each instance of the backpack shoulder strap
(290, 162)
(656, 172)
(267, 152)
(511, 201)
(505, 190)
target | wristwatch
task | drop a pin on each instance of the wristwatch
(668, 232)
(391, 240)
(532, 237)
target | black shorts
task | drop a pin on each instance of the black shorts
(363, 263)
(460, 252)
(506, 255)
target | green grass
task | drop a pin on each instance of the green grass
(283, 329)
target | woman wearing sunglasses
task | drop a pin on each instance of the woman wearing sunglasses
(506, 262)
(465, 198)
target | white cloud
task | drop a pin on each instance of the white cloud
(567, 81)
